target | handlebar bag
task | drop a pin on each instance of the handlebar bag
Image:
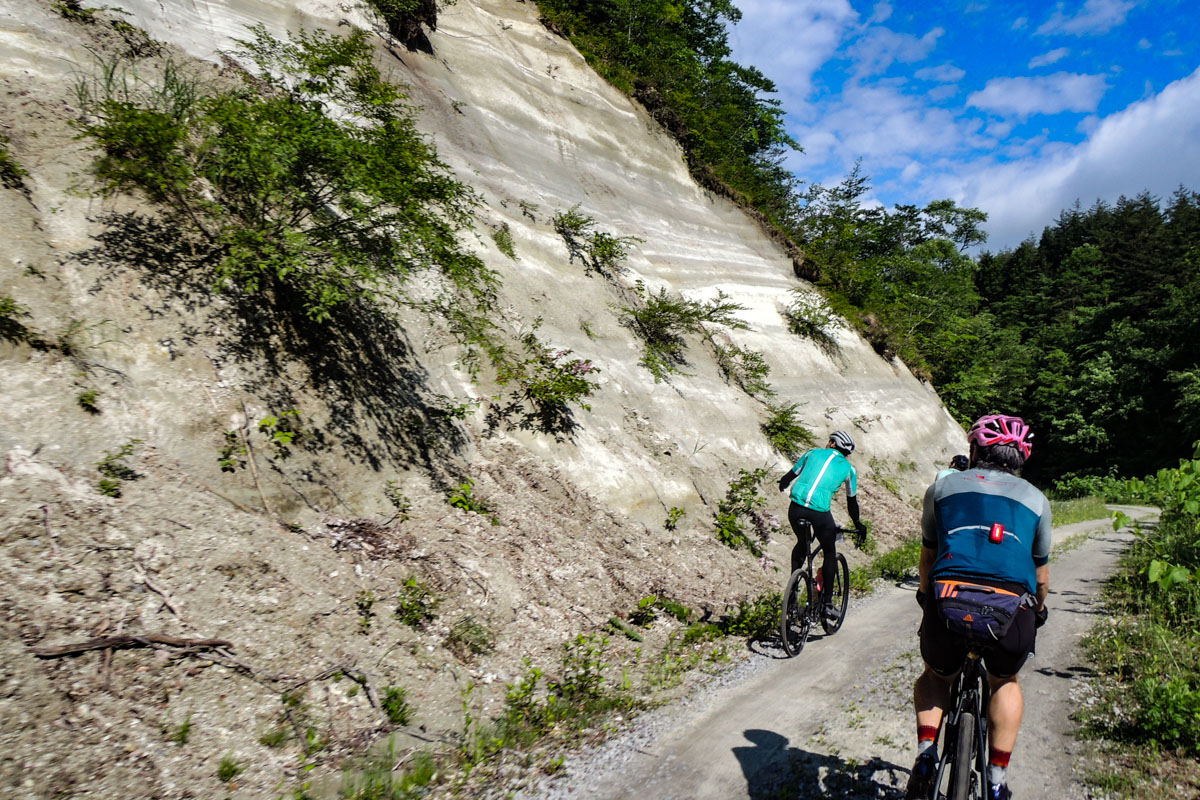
(979, 613)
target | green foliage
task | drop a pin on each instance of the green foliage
(1148, 649)
(402, 505)
(784, 430)
(229, 769)
(364, 601)
(230, 455)
(744, 367)
(308, 186)
(897, 564)
(87, 400)
(12, 174)
(1079, 509)
(469, 637)
(281, 431)
(753, 618)
(404, 19)
(548, 379)
(743, 504)
(662, 321)
(464, 497)
(601, 252)
(809, 317)
(75, 11)
(648, 608)
(617, 625)
(115, 470)
(395, 705)
(182, 732)
(275, 737)
(503, 238)
(374, 777)
(11, 327)
(417, 605)
(674, 514)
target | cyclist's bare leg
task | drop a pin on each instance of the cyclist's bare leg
(1004, 712)
(931, 695)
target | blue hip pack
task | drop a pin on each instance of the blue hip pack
(979, 613)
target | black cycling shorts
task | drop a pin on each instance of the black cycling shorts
(946, 652)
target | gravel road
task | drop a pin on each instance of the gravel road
(836, 721)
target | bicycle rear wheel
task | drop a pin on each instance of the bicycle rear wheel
(964, 757)
(795, 622)
(840, 596)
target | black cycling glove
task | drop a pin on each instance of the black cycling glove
(920, 598)
(1041, 616)
(786, 480)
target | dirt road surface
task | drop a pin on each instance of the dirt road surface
(837, 720)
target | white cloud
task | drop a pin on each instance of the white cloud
(1096, 16)
(1020, 23)
(885, 127)
(881, 13)
(789, 40)
(945, 73)
(879, 48)
(1046, 59)
(1144, 44)
(1049, 94)
(1123, 155)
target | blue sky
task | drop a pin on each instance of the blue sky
(1016, 108)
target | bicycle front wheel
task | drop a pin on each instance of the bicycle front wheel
(795, 622)
(964, 757)
(840, 596)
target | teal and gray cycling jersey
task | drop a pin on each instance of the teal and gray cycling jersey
(819, 474)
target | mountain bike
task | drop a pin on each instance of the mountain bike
(962, 768)
(802, 606)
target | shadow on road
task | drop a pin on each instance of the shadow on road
(774, 771)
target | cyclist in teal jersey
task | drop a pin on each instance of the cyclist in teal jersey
(814, 479)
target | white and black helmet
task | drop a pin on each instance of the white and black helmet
(842, 441)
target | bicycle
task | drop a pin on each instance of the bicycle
(802, 597)
(963, 763)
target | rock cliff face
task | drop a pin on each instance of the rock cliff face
(150, 377)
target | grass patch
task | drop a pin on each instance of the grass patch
(1079, 509)
(897, 564)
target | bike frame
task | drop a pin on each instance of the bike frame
(969, 702)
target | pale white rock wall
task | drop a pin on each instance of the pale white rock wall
(519, 115)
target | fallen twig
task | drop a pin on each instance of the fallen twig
(253, 465)
(145, 579)
(121, 642)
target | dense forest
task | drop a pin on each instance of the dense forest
(1090, 332)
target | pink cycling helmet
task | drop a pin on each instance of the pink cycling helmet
(1000, 429)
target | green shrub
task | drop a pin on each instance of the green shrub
(115, 470)
(742, 503)
(11, 327)
(295, 203)
(548, 379)
(673, 516)
(281, 431)
(417, 603)
(365, 603)
(503, 238)
(809, 317)
(785, 432)
(87, 400)
(464, 497)
(395, 705)
(12, 174)
(375, 777)
(662, 321)
(229, 769)
(648, 608)
(754, 618)
(469, 637)
(746, 368)
(599, 251)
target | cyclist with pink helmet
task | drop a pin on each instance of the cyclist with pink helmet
(985, 574)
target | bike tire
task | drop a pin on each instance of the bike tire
(840, 596)
(795, 619)
(964, 757)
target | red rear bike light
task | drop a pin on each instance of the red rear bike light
(997, 533)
